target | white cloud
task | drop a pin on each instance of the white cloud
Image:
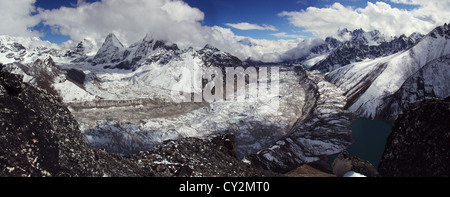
(249, 26)
(391, 21)
(302, 49)
(409, 2)
(129, 20)
(285, 35)
(170, 20)
(16, 19)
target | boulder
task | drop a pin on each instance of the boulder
(345, 163)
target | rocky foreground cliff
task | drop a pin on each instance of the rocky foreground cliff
(419, 144)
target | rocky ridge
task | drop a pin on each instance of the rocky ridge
(364, 45)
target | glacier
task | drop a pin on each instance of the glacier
(122, 98)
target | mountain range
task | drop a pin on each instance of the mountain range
(121, 95)
(381, 88)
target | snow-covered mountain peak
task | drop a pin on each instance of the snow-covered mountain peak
(343, 32)
(86, 45)
(49, 61)
(370, 38)
(110, 52)
(165, 45)
(148, 37)
(209, 47)
(441, 31)
(111, 39)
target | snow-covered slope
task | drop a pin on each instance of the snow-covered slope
(81, 52)
(367, 84)
(45, 74)
(429, 82)
(26, 49)
(310, 51)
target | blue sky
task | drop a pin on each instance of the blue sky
(260, 29)
(223, 12)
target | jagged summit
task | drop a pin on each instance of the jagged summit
(347, 47)
(363, 45)
(441, 31)
(147, 37)
(210, 47)
(373, 37)
(111, 39)
(110, 52)
(80, 52)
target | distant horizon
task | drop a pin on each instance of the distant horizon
(262, 26)
(262, 29)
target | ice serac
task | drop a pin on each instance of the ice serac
(383, 87)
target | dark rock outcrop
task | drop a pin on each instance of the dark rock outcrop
(419, 144)
(39, 136)
(197, 157)
(345, 162)
(76, 76)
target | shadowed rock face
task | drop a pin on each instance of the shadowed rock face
(419, 144)
(39, 137)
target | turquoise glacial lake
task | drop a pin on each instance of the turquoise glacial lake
(369, 139)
